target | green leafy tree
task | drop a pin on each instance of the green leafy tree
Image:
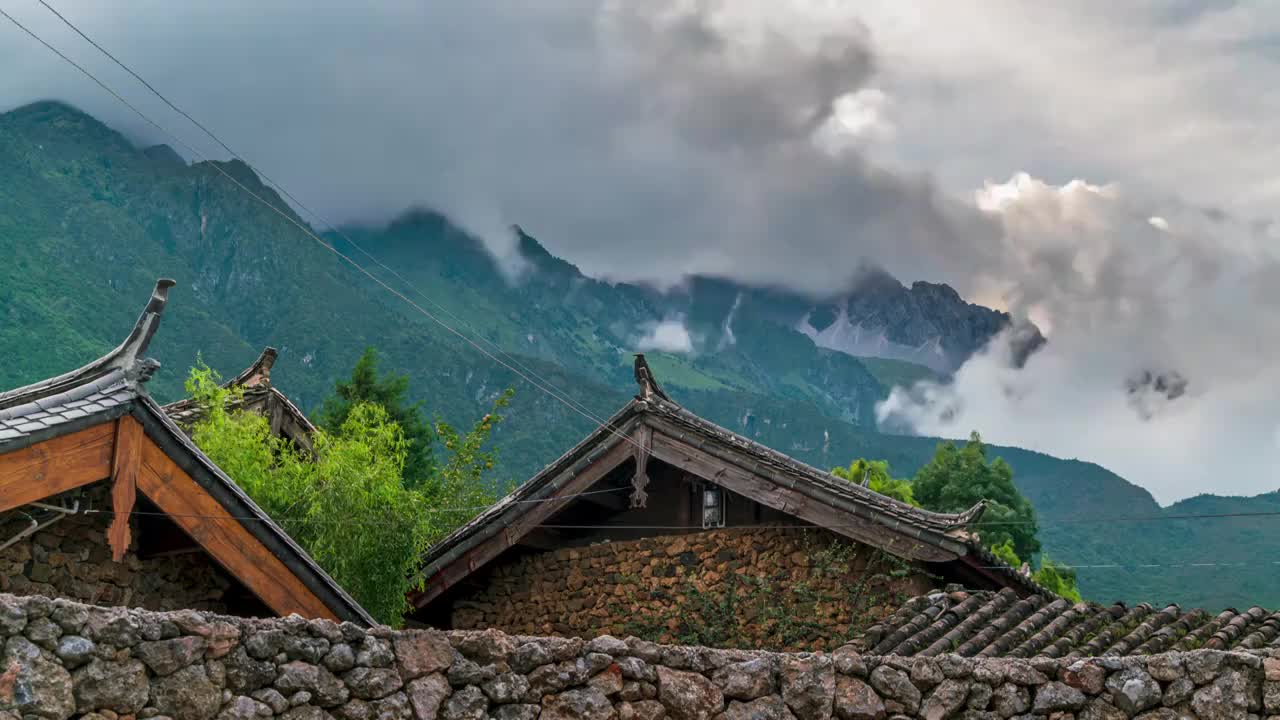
(1005, 552)
(347, 503)
(462, 481)
(1057, 578)
(876, 473)
(368, 385)
(957, 478)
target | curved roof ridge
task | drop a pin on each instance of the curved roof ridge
(126, 357)
(259, 373)
(947, 521)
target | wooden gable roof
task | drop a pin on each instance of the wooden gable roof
(98, 422)
(653, 426)
(259, 395)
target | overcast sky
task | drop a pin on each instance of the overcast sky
(1106, 169)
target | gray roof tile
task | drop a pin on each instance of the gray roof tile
(28, 427)
(9, 433)
(987, 624)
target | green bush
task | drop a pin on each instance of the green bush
(347, 503)
(876, 472)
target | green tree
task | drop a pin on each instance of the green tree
(1005, 552)
(1057, 578)
(390, 391)
(462, 481)
(876, 473)
(957, 478)
(347, 504)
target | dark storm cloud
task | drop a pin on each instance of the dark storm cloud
(641, 140)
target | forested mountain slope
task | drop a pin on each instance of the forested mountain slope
(88, 222)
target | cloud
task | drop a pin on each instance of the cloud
(1161, 341)
(669, 335)
(785, 141)
(857, 119)
(1174, 96)
(643, 140)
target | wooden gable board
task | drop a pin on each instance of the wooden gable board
(86, 456)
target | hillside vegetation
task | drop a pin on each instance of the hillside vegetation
(88, 221)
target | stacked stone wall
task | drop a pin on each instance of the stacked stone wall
(659, 588)
(71, 559)
(62, 660)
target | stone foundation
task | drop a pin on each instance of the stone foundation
(63, 660)
(71, 559)
(663, 589)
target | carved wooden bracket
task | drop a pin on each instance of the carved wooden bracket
(124, 484)
(639, 481)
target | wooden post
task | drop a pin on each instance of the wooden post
(644, 442)
(124, 484)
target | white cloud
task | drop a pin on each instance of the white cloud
(1160, 363)
(670, 335)
(642, 140)
(858, 118)
(1175, 96)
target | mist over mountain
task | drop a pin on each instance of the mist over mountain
(88, 221)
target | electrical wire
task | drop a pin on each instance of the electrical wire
(601, 424)
(1136, 518)
(553, 526)
(523, 372)
(298, 203)
(474, 508)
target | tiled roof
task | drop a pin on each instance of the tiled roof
(256, 394)
(112, 386)
(20, 421)
(949, 531)
(1000, 624)
(787, 466)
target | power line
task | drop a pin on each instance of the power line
(286, 518)
(311, 234)
(284, 191)
(554, 526)
(524, 372)
(1136, 518)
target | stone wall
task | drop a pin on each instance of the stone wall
(61, 660)
(660, 588)
(71, 559)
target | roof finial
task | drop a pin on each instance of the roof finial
(259, 373)
(648, 383)
(128, 356)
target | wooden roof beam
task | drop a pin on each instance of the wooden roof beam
(56, 465)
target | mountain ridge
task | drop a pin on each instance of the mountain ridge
(89, 220)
